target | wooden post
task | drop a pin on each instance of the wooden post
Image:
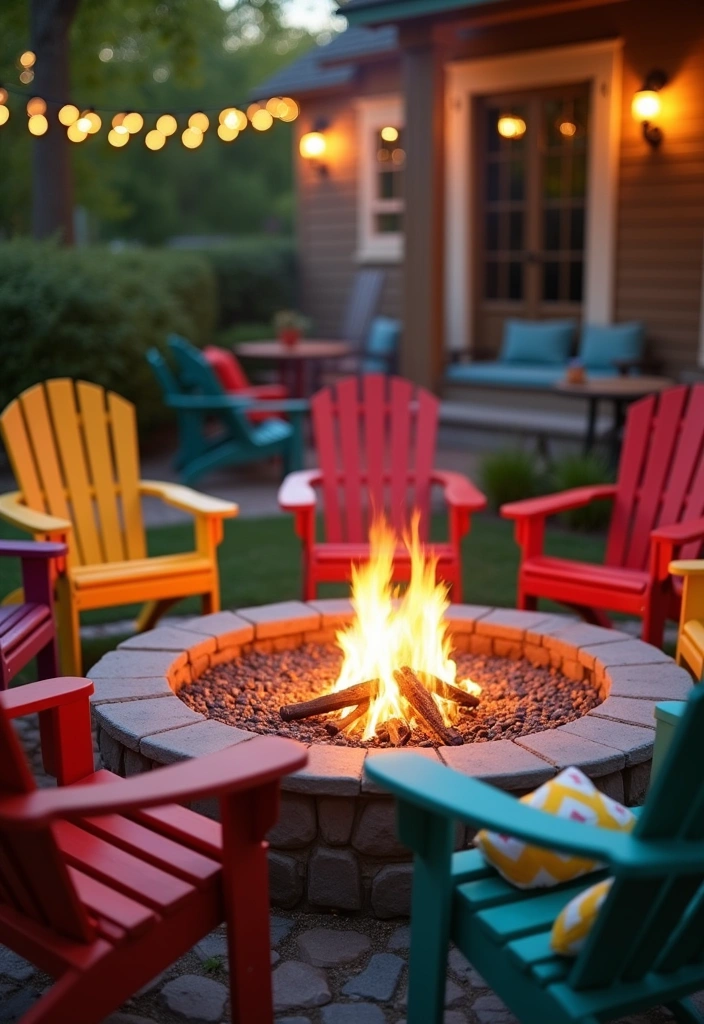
(423, 330)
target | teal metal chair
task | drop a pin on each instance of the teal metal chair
(646, 947)
(214, 429)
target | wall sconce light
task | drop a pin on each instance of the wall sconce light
(511, 127)
(647, 105)
(313, 146)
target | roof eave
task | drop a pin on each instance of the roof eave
(401, 10)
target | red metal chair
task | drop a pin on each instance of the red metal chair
(658, 514)
(27, 630)
(104, 882)
(234, 381)
(375, 443)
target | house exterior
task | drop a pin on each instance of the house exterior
(487, 155)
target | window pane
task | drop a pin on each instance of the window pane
(491, 280)
(518, 180)
(515, 234)
(552, 183)
(577, 229)
(551, 240)
(388, 223)
(579, 176)
(492, 231)
(576, 274)
(492, 181)
(389, 184)
(493, 139)
(515, 280)
(551, 282)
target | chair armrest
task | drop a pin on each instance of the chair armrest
(13, 511)
(188, 500)
(248, 765)
(211, 403)
(31, 549)
(460, 492)
(296, 492)
(687, 567)
(44, 695)
(679, 533)
(551, 504)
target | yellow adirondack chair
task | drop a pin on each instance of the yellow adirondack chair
(73, 450)
(690, 639)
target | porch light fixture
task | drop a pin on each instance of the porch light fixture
(313, 146)
(511, 127)
(646, 107)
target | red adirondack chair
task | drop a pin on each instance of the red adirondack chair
(104, 882)
(27, 630)
(234, 380)
(658, 514)
(375, 443)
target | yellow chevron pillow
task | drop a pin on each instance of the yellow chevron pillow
(574, 922)
(569, 795)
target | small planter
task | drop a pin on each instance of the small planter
(289, 336)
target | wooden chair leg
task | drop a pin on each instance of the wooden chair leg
(69, 630)
(152, 611)
(526, 602)
(594, 616)
(210, 602)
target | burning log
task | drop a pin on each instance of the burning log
(353, 696)
(346, 723)
(399, 732)
(448, 691)
(425, 707)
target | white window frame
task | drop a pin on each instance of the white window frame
(700, 359)
(373, 114)
(599, 63)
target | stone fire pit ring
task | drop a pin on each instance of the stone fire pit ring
(335, 844)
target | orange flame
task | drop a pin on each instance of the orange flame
(393, 629)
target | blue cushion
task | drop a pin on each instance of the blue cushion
(602, 346)
(505, 375)
(382, 343)
(532, 341)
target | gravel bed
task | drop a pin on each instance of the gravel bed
(517, 698)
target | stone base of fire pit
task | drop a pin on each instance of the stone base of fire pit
(334, 845)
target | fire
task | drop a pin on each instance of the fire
(393, 629)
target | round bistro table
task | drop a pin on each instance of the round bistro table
(297, 363)
(620, 392)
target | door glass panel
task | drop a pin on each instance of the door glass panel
(552, 180)
(515, 231)
(576, 275)
(515, 281)
(491, 285)
(577, 228)
(551, 240)
(551, 282)
(579, 176)
(517, 188)
(492, 231)
(492, 181)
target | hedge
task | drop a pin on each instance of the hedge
(92, 314)
(256, 277)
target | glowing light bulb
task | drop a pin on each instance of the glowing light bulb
(568, 129)
(37, 124)
(167, 124)
(118, 137)
(312, 145)
(94, 121)
(273, 105)
(4, 115)
(261, 120)
(290, 109)
(26, 76)
(646, 105)
(199, 120)
(3, 95)
(83, 124)
(27, 59)
(192, 138)
(69, 114)
(389, 134)
(154, 139)
(118, 119)
(133, 122)
(227, 134)
(510, 127)
(36, 106)
(76, 134)
(252, 109)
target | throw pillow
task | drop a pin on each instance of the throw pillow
(575, 921)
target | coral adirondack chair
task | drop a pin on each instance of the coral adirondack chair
(690, 639)
(27, 630)
(213, 427)
(233, 381)
(658, 512)
(645, 948)
(105, 881)
(375, 443)
(73, 450)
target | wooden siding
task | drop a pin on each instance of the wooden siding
(327, 208)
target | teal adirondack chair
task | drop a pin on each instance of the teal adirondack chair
(213, 427)
(647, 945)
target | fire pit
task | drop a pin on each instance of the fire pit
(510, 697)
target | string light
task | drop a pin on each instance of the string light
(26, 76)
(4, 115)
(290, 109)
(76, 134)
(36, 106)
(389, 134)
(133, 122)
(200, 121)
(227, 134)
(192, 138)
(68, 114)
(94, 122)
(27, 59)
(3, 95)
(118, 119)
(231, 117)
(83, 125)
(37, 124)
(261, 120)
(154, 139)
(167, 124)
(118, 137)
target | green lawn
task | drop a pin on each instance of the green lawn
(260, 562)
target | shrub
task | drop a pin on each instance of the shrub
(510, 475)
(583, 471)
(92, 314)
(256, 277)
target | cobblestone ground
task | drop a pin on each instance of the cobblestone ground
(326, 970)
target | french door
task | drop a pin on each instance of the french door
(530, 208)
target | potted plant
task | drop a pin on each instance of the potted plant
(290, 326)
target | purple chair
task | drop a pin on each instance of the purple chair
(27, 630)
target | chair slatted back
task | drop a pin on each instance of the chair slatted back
(661, 473)
(197, 377)
(656, 923)
(73, 450)
(375, 441)
(34, 878)
(361, 306)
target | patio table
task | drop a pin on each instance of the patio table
(620, 392)
(298, 362)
